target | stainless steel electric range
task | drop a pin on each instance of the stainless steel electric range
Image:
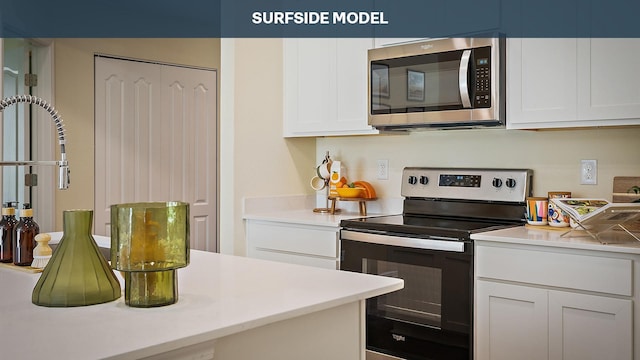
(429, 246)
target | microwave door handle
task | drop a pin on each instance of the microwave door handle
(463, 79)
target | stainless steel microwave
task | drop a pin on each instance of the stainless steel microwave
(444, 83)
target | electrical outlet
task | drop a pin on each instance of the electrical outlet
(383, 169)
(588, 172)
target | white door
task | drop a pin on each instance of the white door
(583, 327)
(541, 81)
(511, 322)
(325, 86)
(608, 78)
(156, 140)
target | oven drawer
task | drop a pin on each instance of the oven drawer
(571, 271)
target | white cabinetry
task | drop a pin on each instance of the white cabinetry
(511, 322)
(589, 327)
(609, 89)
(539, 303)
(293, 243)
(556, 83)
(325, 87)
(381, 42)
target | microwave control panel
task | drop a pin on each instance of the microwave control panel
(482, 64)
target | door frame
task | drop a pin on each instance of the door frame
(45, 140)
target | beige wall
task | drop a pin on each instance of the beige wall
(554, 156)
(256, 160)
(73, 73)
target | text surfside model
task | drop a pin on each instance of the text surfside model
(319, 17)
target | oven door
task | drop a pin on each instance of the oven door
(431, 318)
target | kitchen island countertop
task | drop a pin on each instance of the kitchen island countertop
(219, 296)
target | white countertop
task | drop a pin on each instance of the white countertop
(219, 295)
(618, 241)
(304, 217)
(299, 210)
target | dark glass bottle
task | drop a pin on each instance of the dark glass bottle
(7, 227)
(24, 239)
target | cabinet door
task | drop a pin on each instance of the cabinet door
(309, 84)
(541, 83)
(325, 87)
(351, 90)
(583, 327)
(511, 322)
(608, 79)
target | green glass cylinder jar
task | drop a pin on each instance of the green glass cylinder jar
(150, 288)
(77, 274)
(149, 241)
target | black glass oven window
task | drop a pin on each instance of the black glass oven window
(416, 83)
(419, 302)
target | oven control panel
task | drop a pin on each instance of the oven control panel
(509, 185)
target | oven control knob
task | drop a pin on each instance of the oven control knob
(413, 180)
(511, 183)
(497, 182)
(424, 180)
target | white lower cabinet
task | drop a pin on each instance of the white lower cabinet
(523, 310)
(589, 327)
(293, 243)
(522, 322)
(511, 322)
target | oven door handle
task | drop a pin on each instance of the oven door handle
(446, 244)
(463, 79)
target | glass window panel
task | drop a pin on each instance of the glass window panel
(419, 302)
(14, 128)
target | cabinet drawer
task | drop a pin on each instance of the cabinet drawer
(580, 272)
(293, 238)
(280, 256)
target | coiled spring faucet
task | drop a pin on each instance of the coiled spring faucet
(63, 165)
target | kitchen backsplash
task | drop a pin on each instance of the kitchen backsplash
(554, 156)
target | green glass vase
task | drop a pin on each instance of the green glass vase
(150, 288)
(77, 274)
(149, 242)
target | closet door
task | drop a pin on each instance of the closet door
(156, 140)
(189, 115)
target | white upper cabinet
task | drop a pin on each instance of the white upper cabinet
(559, 83)
(610, 86)
(381, 42)
(325, 87)
(541, 81)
